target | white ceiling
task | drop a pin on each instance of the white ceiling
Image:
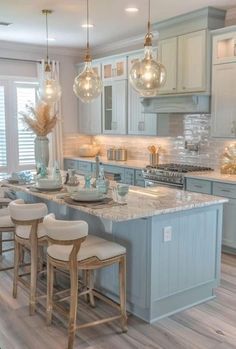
(111, 22)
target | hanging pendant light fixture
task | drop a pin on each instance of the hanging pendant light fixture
(87, 85)
(147, 76)
(49, 89)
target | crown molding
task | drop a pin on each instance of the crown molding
(121, 46)
(39, 49)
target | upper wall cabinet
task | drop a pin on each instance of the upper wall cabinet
(168, 57)
(114, 69)
(192, 62)
(139, 123)
(223, 107)
(90, 114)
(185, 60)
(115, 107)
(224, 48)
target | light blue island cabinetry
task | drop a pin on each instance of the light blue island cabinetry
(173, 247)
(222, 189)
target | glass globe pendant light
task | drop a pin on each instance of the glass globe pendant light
(49, 89)
(148, 75)
(87, 85)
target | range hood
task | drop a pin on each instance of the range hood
(176, 104)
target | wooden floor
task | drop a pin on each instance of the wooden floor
(208, 326)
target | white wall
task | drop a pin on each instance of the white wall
(67, 58)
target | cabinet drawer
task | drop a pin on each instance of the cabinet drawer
(84, 167)
(140, 183)
(70, 164)
(223, 189)
(138, 175)
(198, 185)
(115, 169)
(129, 176)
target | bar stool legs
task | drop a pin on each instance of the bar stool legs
(122, 285)
(50, 283)
(73, 304)
(16, 268)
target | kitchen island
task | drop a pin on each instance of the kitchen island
(173, 241)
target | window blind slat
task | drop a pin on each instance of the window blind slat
(25, 96)
(3, 145)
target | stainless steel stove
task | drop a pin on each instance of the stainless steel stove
(171, 175)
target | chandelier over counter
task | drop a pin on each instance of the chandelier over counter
(148, 75)
(49, 89)
(87, 85)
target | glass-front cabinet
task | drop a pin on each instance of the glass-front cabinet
(114, 69)
(115, 107)
(224, 48)
(90, 114)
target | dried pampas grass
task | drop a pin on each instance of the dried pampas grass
(39, 119)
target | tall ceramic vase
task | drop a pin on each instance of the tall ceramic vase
(41, 150)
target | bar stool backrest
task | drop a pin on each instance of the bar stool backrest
(65, 231)
(23, 213)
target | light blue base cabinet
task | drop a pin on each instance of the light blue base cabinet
(228, 191)
(162, 277)
(127, 175)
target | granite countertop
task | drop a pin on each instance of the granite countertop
(136, 164)
(141, 202)
(213, 176)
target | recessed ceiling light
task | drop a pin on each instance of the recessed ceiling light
(87, 25)
(132, 9)
(51, 39)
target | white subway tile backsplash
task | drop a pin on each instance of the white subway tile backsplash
(196, 128)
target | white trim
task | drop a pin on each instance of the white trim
(37, 49)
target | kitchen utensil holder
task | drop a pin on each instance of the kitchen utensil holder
(154, 159)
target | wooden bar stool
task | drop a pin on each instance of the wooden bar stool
(29, 233)
(71, 248)
(6, 225)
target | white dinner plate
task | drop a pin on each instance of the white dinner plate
(47, 189)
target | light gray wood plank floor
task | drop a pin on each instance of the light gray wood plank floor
(211, 325)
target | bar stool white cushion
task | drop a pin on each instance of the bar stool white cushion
(26, 212)
(23, 231)
(5, 219)
(93, 246)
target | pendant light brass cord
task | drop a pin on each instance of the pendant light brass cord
(88, 57)
(47, 65)
(148, 37)
(47, 33)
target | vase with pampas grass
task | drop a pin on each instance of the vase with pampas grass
(41, 122)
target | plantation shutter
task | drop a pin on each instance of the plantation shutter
(25, 95)
(3, 145)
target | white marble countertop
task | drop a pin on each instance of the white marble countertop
(136, 164)
(141, 202)
(213, 176)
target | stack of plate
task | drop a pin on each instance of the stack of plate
(47, 184)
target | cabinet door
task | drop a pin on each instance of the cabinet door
(224, 48)
(115, 107)
(139, 123)
(168, 57)
(90, 114)
(223, 100)
(192, 67)
(114, 69)
(229, 227)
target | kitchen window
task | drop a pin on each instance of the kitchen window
(16, 142)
